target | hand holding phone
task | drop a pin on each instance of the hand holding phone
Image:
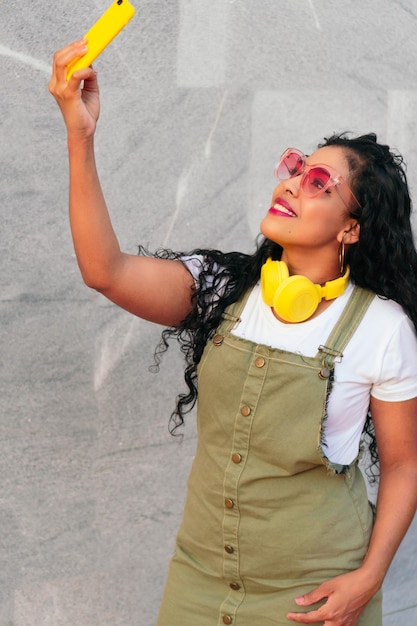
(107, 27)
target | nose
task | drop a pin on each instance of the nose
(292, 185)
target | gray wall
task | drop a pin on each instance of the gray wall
(198, 100)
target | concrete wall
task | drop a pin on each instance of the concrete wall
(198, 100)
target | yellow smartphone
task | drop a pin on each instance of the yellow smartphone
(107, 27)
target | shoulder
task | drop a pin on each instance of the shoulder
(384, 334)
(387, 316)
(386, 326)
(388, 342)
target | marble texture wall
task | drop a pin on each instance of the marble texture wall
(198, 100)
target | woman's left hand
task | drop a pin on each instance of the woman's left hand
(347, 596)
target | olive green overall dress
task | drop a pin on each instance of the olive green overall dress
(267, 516)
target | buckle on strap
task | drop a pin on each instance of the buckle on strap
(331, 356)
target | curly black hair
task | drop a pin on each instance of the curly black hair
(384, 260)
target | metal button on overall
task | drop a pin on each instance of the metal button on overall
(324, 373)
(236, 457)
(229, 503)
(218, 340)
(245, 411)
(227, 619)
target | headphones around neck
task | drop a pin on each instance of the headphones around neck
(295, 298)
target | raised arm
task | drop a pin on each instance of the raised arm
(154, 289)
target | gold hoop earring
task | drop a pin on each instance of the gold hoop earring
(342, 257)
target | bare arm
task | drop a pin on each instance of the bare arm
(155, 289)
(396, 434)
(347, 595)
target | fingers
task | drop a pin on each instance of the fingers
(67, 54)
(62, 58)
(312, 617)
(321, 617)
(89, 76)
(78, 97)
(319, 593)
(306, 618)
(332, 613)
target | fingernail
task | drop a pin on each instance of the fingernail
(300, 600)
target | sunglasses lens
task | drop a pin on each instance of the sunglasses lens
(290, 164)
(315, 181)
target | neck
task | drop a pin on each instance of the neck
(319, 268)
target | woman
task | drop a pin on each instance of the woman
(277, 527)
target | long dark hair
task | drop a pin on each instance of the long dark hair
(384, 260)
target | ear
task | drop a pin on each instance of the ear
(350, 234)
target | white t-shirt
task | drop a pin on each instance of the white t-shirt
(379, 360)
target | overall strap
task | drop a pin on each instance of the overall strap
(346, 326)
(231, 316)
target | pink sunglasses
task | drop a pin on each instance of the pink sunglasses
(316, 179)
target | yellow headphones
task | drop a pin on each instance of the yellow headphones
(295, 298)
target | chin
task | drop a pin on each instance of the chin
(268, 230)
(263, 227)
